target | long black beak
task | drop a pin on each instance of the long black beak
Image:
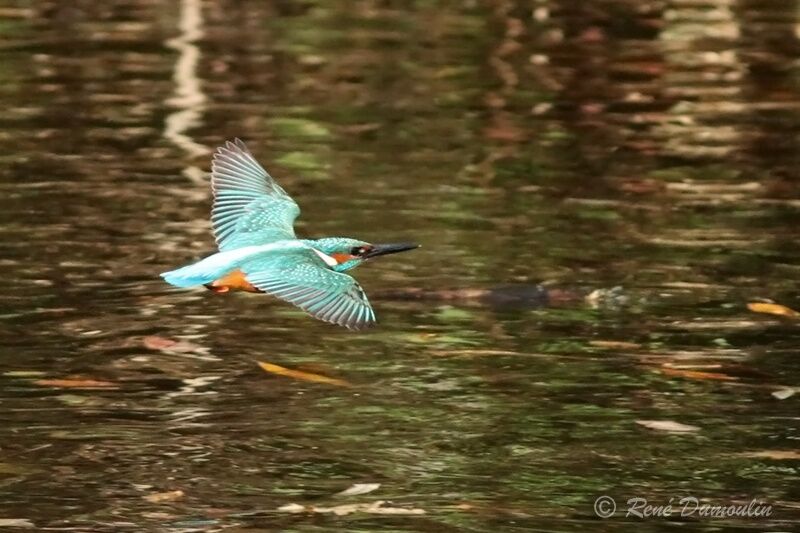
(392, 248)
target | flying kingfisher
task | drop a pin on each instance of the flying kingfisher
(252, 219)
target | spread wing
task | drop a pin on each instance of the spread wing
(249, 207)
(300, 277)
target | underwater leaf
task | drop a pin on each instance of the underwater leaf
(342, 510)
(22, 374)
(473, 353)
(292, 508)
(159, 497)
(16, 522)
(155, 342)
(641, 186)
(75, 383)
(304, 376)
(696, 374)
(774, 454)
(378, 508)
(159, 516)
(78, 400)
(772, 309)
(667, 425)
(358, 489)
(615, 345)
(784, 393)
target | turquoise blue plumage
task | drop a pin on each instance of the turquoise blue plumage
(253, 223)
(249, 207)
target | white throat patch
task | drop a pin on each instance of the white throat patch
(330, 261)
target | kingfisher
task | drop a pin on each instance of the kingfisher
(253, 223)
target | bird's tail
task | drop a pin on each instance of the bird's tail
(185, 277)
(200, 273)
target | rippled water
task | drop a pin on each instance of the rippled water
(643, 153)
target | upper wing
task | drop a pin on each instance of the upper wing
(249, 207)
(300, 277)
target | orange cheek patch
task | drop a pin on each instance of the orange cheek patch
(342, 258)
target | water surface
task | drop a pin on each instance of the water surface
(645, 152)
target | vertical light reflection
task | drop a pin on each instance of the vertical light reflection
(188, 100)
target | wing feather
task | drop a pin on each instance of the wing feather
(250, 208)
(300, 277)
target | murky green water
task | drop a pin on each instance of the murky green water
(648, 151)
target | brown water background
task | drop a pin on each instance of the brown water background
(646, 150)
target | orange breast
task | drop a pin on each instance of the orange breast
(232, 281)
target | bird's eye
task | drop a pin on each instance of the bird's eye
(358, 250)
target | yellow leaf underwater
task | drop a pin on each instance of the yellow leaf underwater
(615, 345)
(772, 309)
(303, 376)
(75, 383)
(774, 454)
(696, 374)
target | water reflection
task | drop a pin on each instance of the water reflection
(189, 97)
(638, 153)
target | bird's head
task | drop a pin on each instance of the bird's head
(349, 253)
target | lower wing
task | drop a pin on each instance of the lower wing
(300, 277)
